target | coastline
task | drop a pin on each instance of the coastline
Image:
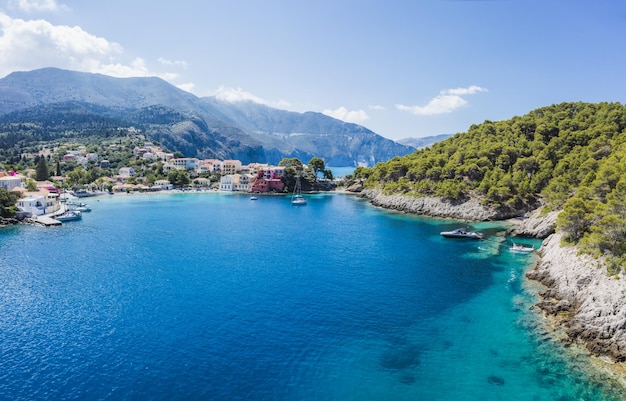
(583, 305)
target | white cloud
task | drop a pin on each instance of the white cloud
(177, 63)
(342, 113)
(233, 95)
(31, 44)
(377, 107)
(189, 87)
(37, 5)
(447, 101)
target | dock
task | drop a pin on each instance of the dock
(47, 221)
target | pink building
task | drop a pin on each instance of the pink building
(265, 185)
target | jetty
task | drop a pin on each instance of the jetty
(47, 221)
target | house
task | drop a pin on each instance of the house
(267, 185)
(231, 166)
(210, 166)
(163, 184)
(39, 203)
(270, 173)
(227, 183)
(35, 205)
(11, 181)
(201, 182)
(129, 171)
(185, 163)
(236, 182)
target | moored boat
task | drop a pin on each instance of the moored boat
(517, 248)
(297, 199)
(69, 216)
(462, 233)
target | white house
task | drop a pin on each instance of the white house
(39, 203)
(11, 181)
(129, 171)
(33, 204)
(227, 183)
(185, 163)
(163, 184)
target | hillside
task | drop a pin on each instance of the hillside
(197, 127)
(570, 156)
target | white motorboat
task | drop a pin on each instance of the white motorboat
(462, 233)
(517, 248)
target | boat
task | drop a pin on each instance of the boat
(517, 248)
(83, 193)
(69, 216)
(462, 233)
(78, 206)
(253, 198)
(297, 199)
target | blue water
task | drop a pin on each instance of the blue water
(217, 297)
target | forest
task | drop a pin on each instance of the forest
(569, 157)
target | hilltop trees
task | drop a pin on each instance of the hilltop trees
(571, 156)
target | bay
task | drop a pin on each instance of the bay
(214, 296)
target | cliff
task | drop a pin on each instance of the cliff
(588, 304)
(583, 299)
(466, 209)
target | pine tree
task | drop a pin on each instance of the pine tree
(41, 171)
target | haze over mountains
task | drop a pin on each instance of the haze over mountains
(55, 100)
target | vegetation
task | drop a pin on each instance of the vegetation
(7, 203)
(571, 156)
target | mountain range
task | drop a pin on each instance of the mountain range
(48, 103)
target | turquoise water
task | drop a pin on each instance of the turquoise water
(217, 297)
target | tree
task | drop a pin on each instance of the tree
(293, 162)
(178, 178)
(7, 203)
(41, 171)
(317, 165)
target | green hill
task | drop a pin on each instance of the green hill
(570, 156)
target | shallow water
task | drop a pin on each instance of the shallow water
(214, 296)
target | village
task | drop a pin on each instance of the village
(43, 199)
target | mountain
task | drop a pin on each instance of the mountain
(197, 127)
(419, 143)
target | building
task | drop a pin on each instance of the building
(265, 185)
(227, 183)
(231, 166)
(185, 163)
(39, 203)
(11, 181)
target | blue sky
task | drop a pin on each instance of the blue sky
(400, 68)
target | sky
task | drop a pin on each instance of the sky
(410, 68)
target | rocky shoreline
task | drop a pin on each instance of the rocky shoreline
(582, 298)
(579, 295)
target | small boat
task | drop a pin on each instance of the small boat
(69, 216)
(462, 233)
(79, 206)
(517, 248)
(253, 198)
(297, 199)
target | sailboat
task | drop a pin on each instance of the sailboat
(297, 199)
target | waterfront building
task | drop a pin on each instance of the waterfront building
(231, 166)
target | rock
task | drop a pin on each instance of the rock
(590, 304)
(466, 209)
(535, 224)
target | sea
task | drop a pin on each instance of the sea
(213, 296)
